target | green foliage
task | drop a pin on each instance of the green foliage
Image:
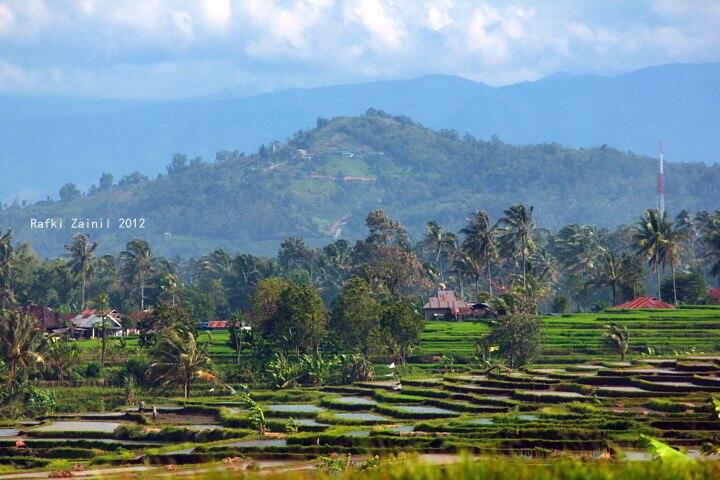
(404, 324)
(692, 287)
(39, 402)
(518, 337)
(355, 315)
(664, 452)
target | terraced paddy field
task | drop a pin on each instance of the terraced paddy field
(589, 410)
(578, 337)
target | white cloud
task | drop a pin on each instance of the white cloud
(6, 18)
(379, 22)
(307, 42)
(217, 12)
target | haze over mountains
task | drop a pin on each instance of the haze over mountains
(322, 182)
(45, 142)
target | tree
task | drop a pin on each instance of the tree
(404, 324)
(178, 359)
(106, 181)
(265, 301)
(81, 253)
(518, 337)
(103, 310)
(300, 322)
(481, 242)
(355, 316)
(165, 316)
(169, 285)
(60, 354)
(618, 337)
(658, 241)
(691, 288)
(69, 192)
(20, 345)
(711, 239)
(138, 265)
(608, 272)
(518, 228)
(437, 241)
(7, 271)
(236, 327)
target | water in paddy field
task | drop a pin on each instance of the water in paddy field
(9, 432)
(358, 433)
(481, 421)
(275, 442)
(553, 393)
(424, 409)
(527, 418)
(403, 429)
(290, 408)
(309, 422)
(79, 426)
(365, 417)
(356, 401)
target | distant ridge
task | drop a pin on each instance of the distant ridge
(45, 142)
(322, 182)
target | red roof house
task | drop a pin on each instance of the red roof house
(714, 295)
(644, 302)
(446, 305)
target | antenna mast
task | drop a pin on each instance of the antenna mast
(661, 181)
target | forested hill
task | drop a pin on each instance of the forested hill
(323, 182)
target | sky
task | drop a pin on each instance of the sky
(153, 49)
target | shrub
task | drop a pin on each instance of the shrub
(94, 369)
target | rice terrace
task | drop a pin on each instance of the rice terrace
(577, 401)
(360, 239)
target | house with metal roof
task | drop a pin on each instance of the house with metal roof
(88, 324)
(644, 302)
(446, 306)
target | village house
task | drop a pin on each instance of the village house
(446, 306)
(88, 324)
(47, 319)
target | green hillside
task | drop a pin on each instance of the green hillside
(323, 182)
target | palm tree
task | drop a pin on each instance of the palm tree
(103, 310)
(436, 241)
(82, 260)
(138, 265)
(519, 225)
(658, 241)
(170, 285)
(578, 248)
(481, 241)
(7, 273)
(619, 337)
(609, 272)
(60, 354)
(711, 239)
(179, 360)
(20, 344)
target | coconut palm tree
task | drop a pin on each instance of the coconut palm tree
(7, 272)
(81, 253)
(658, 241)
(103, 310)
(609, 272)
(518, 229)
(481, 241)
(619, 337)
(711, 239)
(435, 242)
(138, 265)
(20, 345)
(178, 359)
(60, 354)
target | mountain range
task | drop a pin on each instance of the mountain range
(48, 141)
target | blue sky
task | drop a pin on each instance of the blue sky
(169, 49)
